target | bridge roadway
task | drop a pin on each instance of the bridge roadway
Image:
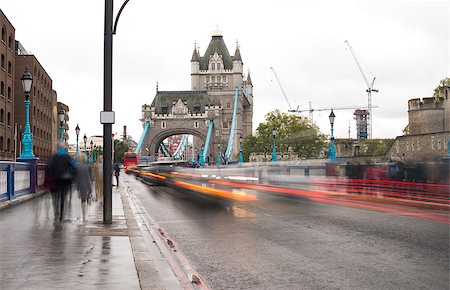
(281, 241)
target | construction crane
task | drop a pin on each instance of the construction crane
(311, 110)
(281, 87)
(369, 89)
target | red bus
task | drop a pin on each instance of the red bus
(129, 159)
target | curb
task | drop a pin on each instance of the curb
(22, 198)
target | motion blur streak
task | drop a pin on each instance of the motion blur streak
(272, 189)
(405, 212)
(218, 192)
(386, 195)
(154, 175)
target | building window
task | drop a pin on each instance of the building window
(3, 61)
(2, 89)
(218, 66)
(10, 41)
(2, 116)
(3, 33)
(8, 145)
(224, 79)
(196, 124)
(9, 67)
(164, 110)
(213, 66)
(1, 143)
(228, 105)
(163, 125)
(196, 109)
(9, 93)
(8, 119)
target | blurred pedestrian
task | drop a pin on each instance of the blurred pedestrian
(84, 180)
(61, 172)
(117, 172)
(98, 179)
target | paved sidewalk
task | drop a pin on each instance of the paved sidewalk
(36, 254)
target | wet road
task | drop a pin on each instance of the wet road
(290, 242)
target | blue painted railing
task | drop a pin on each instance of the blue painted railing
(20, 178)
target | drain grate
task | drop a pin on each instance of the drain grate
(107, 232)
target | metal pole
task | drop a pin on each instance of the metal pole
(61, 133)
(241, 156)
(107, 106)
(77, 151)
(274, 152)
(332, 153)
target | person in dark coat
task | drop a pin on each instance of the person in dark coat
(60, 173)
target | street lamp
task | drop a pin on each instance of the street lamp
(274, 137)
(27, 136)
(241, 157)
(95, 152)
(332, 151)
(77, 131)
(91, 153)
(85, 140)
(61, 115)
(218, 154)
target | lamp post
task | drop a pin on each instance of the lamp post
(95, 153)
(218, 154)
(274, 137)
(77, 131)
(91, 152)
(332, 151)
(61, 115)
(241, 157)
(85, 140)
(27, 136)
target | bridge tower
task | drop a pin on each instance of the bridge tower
(214, 78)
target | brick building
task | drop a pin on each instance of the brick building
(41, 101)
(7, 70)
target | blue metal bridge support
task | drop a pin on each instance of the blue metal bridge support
(229, 150)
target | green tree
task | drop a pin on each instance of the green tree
(294, 133)
(120, 148)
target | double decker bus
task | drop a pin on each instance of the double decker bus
(129, 159)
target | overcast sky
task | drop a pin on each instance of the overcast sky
(404, 44)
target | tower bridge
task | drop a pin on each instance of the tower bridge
(216, 111)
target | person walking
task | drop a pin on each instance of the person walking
(117, 172)
(84, 180)
(60, 173)
(98, 177)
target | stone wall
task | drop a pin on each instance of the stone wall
(419, 147)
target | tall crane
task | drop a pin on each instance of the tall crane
(281, 87)
(369, 89)
(311, 110)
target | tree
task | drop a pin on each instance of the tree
(294, 133)
(120, 148)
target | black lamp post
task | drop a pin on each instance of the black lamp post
(91, 152)
(85, 140)
(77, 131)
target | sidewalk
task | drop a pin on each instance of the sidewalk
(34, 254)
